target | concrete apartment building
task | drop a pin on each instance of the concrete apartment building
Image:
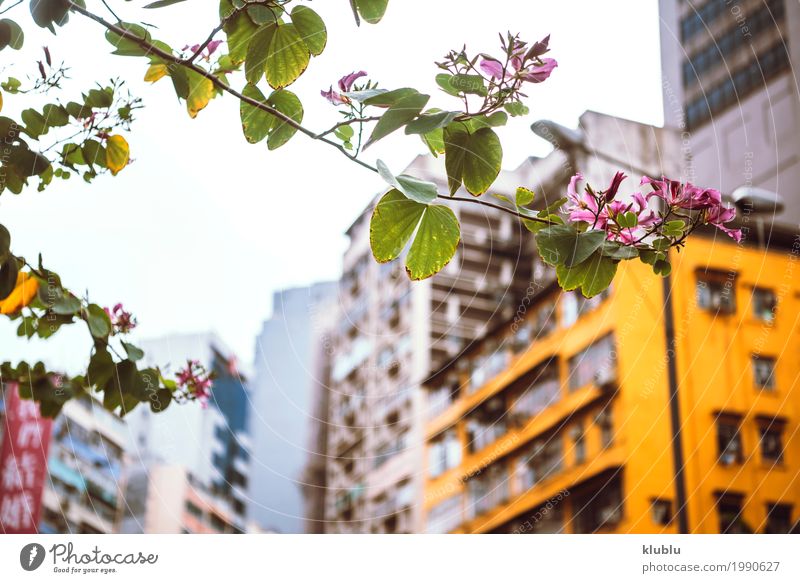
(730, 87)
(394, 332)
(210, 443)
(389, 334)
(284, 409)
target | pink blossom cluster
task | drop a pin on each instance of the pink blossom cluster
(210, 49)
(345, 84)
(122, 321)
(600, 210)
(195, 381)
(524, 64)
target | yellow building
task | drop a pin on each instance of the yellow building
(560, 420)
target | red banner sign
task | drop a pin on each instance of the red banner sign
(23, 464)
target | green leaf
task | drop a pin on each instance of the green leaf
(5, 243)
(469, 84)
(127, 47)
(456, 143)
(8, 277)
(288, 56)
(161, 400)
(94, 153)
(240, 30)
(371, 10)
(101, 367)
(289, 105)
(256, 123)
(627, 220)
(516, 109)
(482, 159)
(435, 141)
(311, 28)
(11, 34)
(35, 123)
(134, 352)
(443, 80)
(46, 13)
(162, 3)
(618, 251)
(497, 119)
(593, 275)
(428, 122)
(564, 245)
(393, 222)
(398, 115)
(257, 53)
(385, 98)
(55, 115)
(98, 321)
(435, 243)
(66, 305)
(662, 267)
(524, 196)
(413, 188)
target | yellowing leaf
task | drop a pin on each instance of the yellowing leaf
(23, 294)
(117, 154)
(155, 72)
(201, 91)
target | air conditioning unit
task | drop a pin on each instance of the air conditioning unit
(610, 514)
(605, 378)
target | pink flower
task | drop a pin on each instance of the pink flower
(720, 214)
(210, 49)
(345, 84)
(614, 186)
(645, 217)
(122, 321)
(582, 207)
(685, 196)
(194, 381)
(539, 73)
(535, 72)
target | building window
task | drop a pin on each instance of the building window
(764, 372)
(486, 424)
(594, 364)
(729, 439)
(578, 437)
(487, 490)
(534, 393)
(544, 459)
(598, 505)
(729, 509)
(764, 304)
(444, 453)
(194, 510)
(445, 516)
(661, 511)
(779, 519)
(770, 432)
(716, 293)
(605, 422)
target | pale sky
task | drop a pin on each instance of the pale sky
(199, 232)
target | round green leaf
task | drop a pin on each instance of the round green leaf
(403, 111)
(98, 321)
(256, 123)
(290, 105)
(413, 188)
(11, 34)
(287, 58)
(311, 28)
(435, 243)
(393, 222)
(564, 245)
(372, 10)
(257, 53)
(8, 277)
(482, 160)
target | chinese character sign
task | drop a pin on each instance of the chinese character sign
(23, 464)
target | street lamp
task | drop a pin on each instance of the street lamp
(760, 202)
(570, 141)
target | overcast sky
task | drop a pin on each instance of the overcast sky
(203, 227)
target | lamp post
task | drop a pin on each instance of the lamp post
(759, 202)
(570, 141)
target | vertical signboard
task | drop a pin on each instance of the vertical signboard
(23, 463)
